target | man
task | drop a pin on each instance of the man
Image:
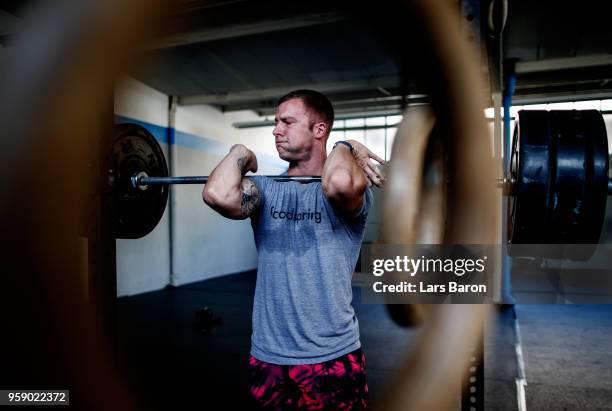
(305, 348)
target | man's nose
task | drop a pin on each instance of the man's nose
(277, 132)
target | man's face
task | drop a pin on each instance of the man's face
(294, 132)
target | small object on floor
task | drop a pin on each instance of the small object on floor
(206, 320)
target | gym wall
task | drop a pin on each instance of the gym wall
(204, 244)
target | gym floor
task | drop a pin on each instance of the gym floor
(174, 364)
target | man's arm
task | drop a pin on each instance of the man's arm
(227, 191)
(346, 175)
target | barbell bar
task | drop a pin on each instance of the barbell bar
(142, 180)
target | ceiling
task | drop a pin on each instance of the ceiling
(564, 49)
(245, 54)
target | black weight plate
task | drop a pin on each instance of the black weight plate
(530, 170)
(560, 167)
(580, 181)
(597, 190)
(137, 211)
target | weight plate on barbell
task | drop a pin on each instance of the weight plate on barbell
(559, 166)
(137, 211)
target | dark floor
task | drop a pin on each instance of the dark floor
(177, 366)
(568, 356)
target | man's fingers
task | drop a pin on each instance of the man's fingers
(373, 176)
(379, 179)
(363, 157)
(380, 175)
(376, 172)
(375, 157)
(371, 172)
(376, 181)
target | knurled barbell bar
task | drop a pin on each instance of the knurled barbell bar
(142, 180)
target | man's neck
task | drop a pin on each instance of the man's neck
(310, 167)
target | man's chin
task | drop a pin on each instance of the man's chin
(283, 155)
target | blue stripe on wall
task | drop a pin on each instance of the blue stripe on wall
(179, 138)
(201, 144)
(159, 132)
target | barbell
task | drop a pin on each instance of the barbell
(138, 175)
(142, 180)
(558, 179)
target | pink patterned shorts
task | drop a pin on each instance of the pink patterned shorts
(338, 384)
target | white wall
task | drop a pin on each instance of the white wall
(139, 101)
(208, 122)
(143, 264)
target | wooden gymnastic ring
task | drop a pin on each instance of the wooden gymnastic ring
(465, 211)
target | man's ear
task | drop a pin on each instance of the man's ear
(320, 130)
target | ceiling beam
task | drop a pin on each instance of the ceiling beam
(274, 93)
(347, 116)
(561, 97)
(374, 102)
(247, 29)
(368, 98)
(580, 62)
(349, 109)
(353, 112)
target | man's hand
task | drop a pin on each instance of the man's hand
(246, 158)
(362, 157)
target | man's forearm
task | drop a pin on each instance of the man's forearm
(344, 182)
(224, 183)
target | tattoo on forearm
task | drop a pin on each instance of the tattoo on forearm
(241, 163)
(250, 197)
